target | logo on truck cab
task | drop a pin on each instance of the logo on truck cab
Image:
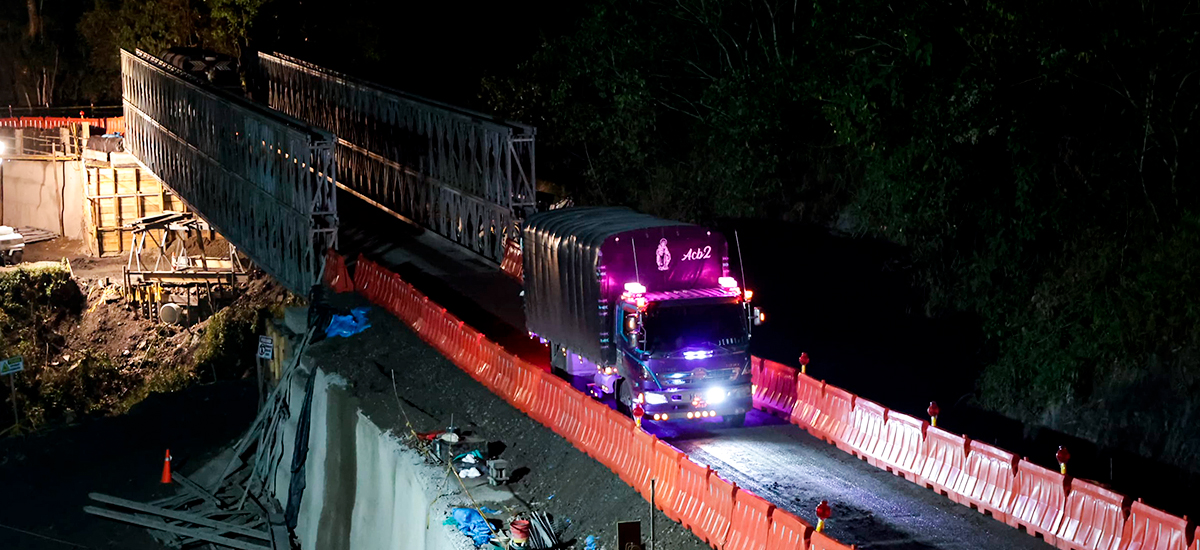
(663, 256)
(697, 254)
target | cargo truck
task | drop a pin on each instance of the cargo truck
(645, 307)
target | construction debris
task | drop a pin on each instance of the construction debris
(239, 511)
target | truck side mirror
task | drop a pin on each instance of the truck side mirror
(759, 317)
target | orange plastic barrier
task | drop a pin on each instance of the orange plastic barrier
(945, 456)
(693, 493)
(775, 388)
(336, 275)
(628, 463)
(542, 409)
(525, 391)
(751, 525)
(810, 397)
(1153, 529)
(718, 514)
(642, 455)
(1038, 498)
(902, 452)
(366, 279)
(987, 480)
(666, 478)
(788, 532)
(112, 124)
(863, 437)
(614, 428)
(820, 541)
(833, 418)
(512, 263)
(1093, 519)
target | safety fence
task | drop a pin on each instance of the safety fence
(1071, 514)
(715, 509)
(110, 124)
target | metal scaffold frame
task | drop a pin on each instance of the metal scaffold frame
(468, 176)
(265, 181)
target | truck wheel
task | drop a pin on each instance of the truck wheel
(18, 257)
(558, 361)
(735, 420)
(624, 397)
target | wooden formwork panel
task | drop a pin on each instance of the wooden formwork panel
(117, 197)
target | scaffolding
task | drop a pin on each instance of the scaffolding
(180, 270)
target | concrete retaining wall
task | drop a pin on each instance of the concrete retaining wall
(364, 489)
(35, 194)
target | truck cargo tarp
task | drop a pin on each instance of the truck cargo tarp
(577, 260)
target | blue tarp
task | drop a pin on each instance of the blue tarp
(472, 525)
(348, 325)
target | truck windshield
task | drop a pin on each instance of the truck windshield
(670, 329)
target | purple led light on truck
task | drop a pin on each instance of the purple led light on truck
(692, 355)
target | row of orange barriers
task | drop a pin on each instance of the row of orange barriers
(110, 124)
(715, 509)
(1069, 513)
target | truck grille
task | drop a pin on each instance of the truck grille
(689, 377)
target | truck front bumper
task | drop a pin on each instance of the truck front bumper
(684, 413)
(738, 402)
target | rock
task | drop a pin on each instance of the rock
(125, 353)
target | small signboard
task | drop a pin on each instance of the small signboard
(12, 364)
(266, 348)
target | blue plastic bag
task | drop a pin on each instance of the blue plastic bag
(472, 525)
(348, 325)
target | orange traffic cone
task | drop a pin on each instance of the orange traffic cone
(166, 477)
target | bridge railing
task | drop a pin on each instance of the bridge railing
(466, 175)
(264, 180)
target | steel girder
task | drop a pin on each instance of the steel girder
(468, 176)
(264, 180)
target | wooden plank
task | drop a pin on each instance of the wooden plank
(164, 526)
(181, 516)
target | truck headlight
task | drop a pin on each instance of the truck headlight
(655, 398)
(715, 395)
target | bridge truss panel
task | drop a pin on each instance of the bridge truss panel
(264, 180)
(468, 176)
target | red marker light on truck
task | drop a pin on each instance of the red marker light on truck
(749, 295)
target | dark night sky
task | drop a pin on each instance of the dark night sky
(436, 49)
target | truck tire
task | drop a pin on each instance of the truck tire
(624, 397)
(558, 361)
(735, 420)
(18, 257)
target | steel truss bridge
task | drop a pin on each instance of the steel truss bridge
(266, 175)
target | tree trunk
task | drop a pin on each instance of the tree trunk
(35, 21)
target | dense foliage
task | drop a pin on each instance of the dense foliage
(1033, 158)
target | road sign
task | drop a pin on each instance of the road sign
(13, 364)
(266, 348)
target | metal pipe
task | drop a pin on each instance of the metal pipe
(651, 514)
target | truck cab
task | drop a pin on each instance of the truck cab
(684, 355)
(643, 308)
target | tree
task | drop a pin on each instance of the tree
(155, 25)
(1031, 157)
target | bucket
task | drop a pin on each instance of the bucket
(519, 531)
